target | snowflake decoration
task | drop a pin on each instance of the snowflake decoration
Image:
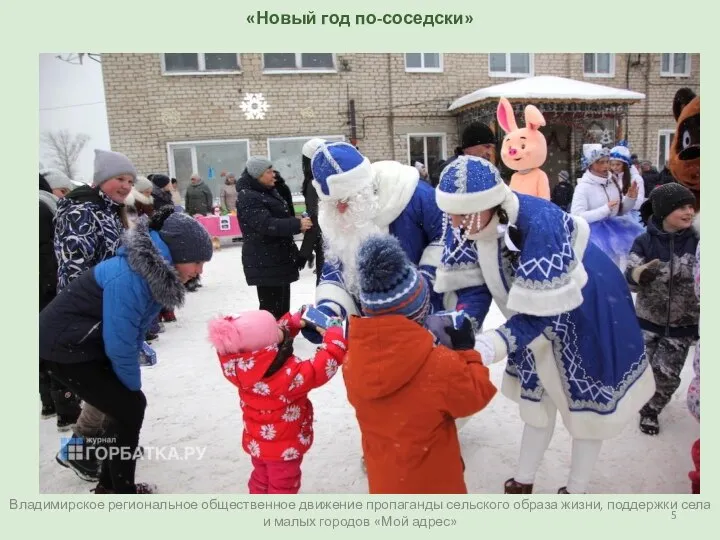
(254, 106)
(290, 454)
(291, 414)
(267, 432)
(331, 368)
(254, 448)
(170, 117)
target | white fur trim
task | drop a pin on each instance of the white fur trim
(452, 280)
(395, 185)
(491, 347)
(328, 291)
(450, 300)
(432, 255)
(309, 148)
(344, 185)
(549, 302)
(581, 424)
(462, 204)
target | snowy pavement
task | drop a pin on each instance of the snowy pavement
(190, 404)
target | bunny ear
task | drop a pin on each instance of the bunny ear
(533, 117)
(505, 116)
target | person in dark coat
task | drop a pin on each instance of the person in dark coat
(161, 191)
(284, 190)
(269, 253)
(55, 398)
(162, 196)
(91, 334)
(198, 197)
(562, 193)
(313, 240)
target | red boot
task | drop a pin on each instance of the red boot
(167, 316)
(695, 475)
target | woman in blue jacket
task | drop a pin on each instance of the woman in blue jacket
(92, 333)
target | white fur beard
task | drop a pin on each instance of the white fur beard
(343, 233)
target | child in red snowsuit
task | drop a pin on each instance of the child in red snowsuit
(256, 355)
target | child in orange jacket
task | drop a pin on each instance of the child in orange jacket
(406, 391)
(256, 355)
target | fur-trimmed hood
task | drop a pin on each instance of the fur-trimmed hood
(148, 255)
(136, 197)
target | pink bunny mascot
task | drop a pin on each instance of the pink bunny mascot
(524, 150)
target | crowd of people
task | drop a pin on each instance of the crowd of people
(406, 275)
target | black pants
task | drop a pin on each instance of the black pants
(313, 241)
(56, 395)
(96, 383)
(276, 300)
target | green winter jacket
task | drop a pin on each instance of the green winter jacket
(198, 199)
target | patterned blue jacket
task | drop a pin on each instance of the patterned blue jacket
(87, 231)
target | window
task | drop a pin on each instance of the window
(510, 64)
(599, 65)
(423, 62)
(286, 156)
(675, 65)
(299, 62)
(665, 140)
(207, 159)
(199, 63)
(428, 149)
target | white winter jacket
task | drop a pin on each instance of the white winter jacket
(592, 195)
(637, 177)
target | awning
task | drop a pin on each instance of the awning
(547, 88)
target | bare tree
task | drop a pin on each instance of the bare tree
(65, 148)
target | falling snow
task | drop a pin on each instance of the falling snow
(190, 403)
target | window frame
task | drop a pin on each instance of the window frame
(671, 63)
(424, 135)
(298, 70)
(297, 197)
(423, 69)
(193, 155)
(597, 75)
(507, 74)
(663, 133)
(201, 66)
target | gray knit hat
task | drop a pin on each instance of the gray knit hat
(143, 184)
(57, 179)
(187, 240)
(257, 165)
(111, 164)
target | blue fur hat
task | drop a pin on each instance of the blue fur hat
(468, 185)
(339, 170)
(621, 152)
(389, 283)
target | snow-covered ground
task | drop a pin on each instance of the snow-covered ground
(190, 404)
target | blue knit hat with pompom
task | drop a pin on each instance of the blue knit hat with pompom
(389, 283)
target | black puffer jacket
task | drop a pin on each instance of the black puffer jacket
(269, 252)
(667, 305)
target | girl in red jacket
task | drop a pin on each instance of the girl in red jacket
(256, 355)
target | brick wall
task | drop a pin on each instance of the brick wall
(147, 109)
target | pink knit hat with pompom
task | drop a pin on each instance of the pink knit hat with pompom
(247, 332)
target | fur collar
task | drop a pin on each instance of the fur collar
(395, 184)
(590, 178)
(149, 256)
